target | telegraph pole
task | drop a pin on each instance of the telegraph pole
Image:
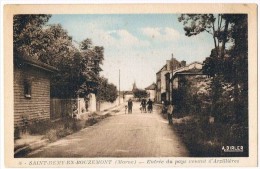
(171, 79)
(119, 88)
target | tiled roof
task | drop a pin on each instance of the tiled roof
(24, 59)
(151, 87)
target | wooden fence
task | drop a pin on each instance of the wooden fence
(62, 107)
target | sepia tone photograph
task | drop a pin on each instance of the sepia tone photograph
(131, 85)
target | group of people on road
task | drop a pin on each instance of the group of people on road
(149, 104)
(144, 104)
(167, 108)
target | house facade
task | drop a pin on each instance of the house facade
(31, 87)
(162, 76)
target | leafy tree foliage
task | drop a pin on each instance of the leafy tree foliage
(94, 56)
(139, 93)
(224, 64)
(78, 68)
(106, 91)
(27, 32)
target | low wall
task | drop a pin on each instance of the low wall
(101, 106)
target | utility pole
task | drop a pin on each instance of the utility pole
(171, 79)
(119, 88)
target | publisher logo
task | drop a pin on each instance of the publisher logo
(232, 149)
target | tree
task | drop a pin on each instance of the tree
(94, 55)
(139, 93)
(216, 25)
(27, 32)
(224, 64)
(78, 68)
(106, 91)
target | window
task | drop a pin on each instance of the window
(27, 89)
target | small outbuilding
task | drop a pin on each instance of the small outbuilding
(31, 86)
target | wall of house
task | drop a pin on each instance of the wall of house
(152, 94)
(36, 107)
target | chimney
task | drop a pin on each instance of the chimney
(183, 63)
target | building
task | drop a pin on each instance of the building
(162, 90)
(188, 72)
(192, 76)
(130, 94)
(31, 87)
(151, 90)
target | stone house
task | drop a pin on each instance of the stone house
(31, 86)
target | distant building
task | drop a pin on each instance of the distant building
(130, 94)
(151, 90)
(31, 90)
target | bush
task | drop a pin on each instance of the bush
(17, 133)
(51, 135)
(91, 121)
(206, 140)
(40, 127)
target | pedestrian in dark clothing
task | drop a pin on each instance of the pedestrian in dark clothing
(150, 105)
(143, 104)
(130, 105)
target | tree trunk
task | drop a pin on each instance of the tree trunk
(224, 38)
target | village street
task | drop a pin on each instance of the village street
(123, 135)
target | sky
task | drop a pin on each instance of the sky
(136, 44)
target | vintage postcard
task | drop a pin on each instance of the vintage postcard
(130, 85)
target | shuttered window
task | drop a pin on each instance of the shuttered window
(27, 89)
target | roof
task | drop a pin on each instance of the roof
(151, 87)
(25, 59)
(174, 61)
(188, 71)
(161, 68)
(191, 71)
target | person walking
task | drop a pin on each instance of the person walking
(130, 105)
(150, 105)
(170, 112)
(143, 105)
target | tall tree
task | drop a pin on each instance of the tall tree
(94, 55)
(226, 63)
(106, 91)
(27, 30)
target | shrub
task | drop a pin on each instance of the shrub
(63, 133)
(91, 121)
(51, 135)
(17, 133)
(40, 127)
